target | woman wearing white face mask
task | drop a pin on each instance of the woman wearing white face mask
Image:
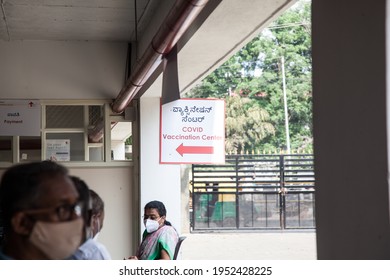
(160, 237)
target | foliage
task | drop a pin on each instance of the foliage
(246, 124)
(254, 73)
(129, 140)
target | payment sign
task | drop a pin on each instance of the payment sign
(192, 131)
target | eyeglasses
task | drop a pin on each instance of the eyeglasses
(65, 212)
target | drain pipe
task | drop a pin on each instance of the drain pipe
(175, 24)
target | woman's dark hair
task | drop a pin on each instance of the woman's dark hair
(97, 203)
(19, 188)
(160, 207)
(84, 197)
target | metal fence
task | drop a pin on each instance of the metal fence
(254, 192)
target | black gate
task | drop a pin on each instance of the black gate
(254, 192)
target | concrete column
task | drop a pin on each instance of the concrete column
(157, 181)
(350, 129)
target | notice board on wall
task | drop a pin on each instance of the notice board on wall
(20, 117)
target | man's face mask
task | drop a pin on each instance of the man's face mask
(151, 225)
(57, 240)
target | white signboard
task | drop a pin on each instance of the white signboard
(20, 118)
(58, 149)
(192, 131)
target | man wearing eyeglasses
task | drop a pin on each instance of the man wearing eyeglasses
(41, 212)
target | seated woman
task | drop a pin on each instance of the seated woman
(160, 237)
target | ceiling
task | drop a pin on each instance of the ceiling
(220, 30)
(74, 20)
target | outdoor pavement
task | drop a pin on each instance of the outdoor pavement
(264, 245)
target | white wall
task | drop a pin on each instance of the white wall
(158, 181)
(118, 148)
(114, 186)
(61, 70)
(76, 70)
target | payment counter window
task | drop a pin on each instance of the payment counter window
(6, 154)
(73, 133)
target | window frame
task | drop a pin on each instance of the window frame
(106, 143)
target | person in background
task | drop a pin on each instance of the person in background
(41, 212)
(160, 237)
(85, 200)
(91, 249)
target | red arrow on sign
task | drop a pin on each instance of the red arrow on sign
(194, 149)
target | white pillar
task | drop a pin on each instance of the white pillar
(157, 181)
(350, 129)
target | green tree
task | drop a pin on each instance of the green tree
(246, 124)
(288, 36)
(255, 73)
(220, 83)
